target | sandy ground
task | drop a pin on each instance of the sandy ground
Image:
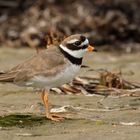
(118, 119)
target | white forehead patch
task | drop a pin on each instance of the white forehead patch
(86, 42)
(72, 41)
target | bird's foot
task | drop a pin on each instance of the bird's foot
(55, 117)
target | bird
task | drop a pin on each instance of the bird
(50, 68)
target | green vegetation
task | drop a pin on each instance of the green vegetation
(20, 120)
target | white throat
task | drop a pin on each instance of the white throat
(75, 53)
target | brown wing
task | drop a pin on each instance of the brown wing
(46, 63)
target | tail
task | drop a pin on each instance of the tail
(7, 77)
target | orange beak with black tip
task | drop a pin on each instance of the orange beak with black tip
(91, 49)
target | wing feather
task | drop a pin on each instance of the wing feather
(46, 63)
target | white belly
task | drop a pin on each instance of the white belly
(54, 81)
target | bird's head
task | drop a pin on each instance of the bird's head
(76, 45)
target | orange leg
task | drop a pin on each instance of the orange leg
(51, 116)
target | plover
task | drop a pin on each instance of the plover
(50, 68)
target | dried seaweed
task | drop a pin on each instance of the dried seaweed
(107, 84)
(106, 22)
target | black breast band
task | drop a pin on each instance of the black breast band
(72, 59)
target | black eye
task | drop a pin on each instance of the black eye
(82, 38)
(77, 43)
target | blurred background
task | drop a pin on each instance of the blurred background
(110, 24)
(108, 85)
